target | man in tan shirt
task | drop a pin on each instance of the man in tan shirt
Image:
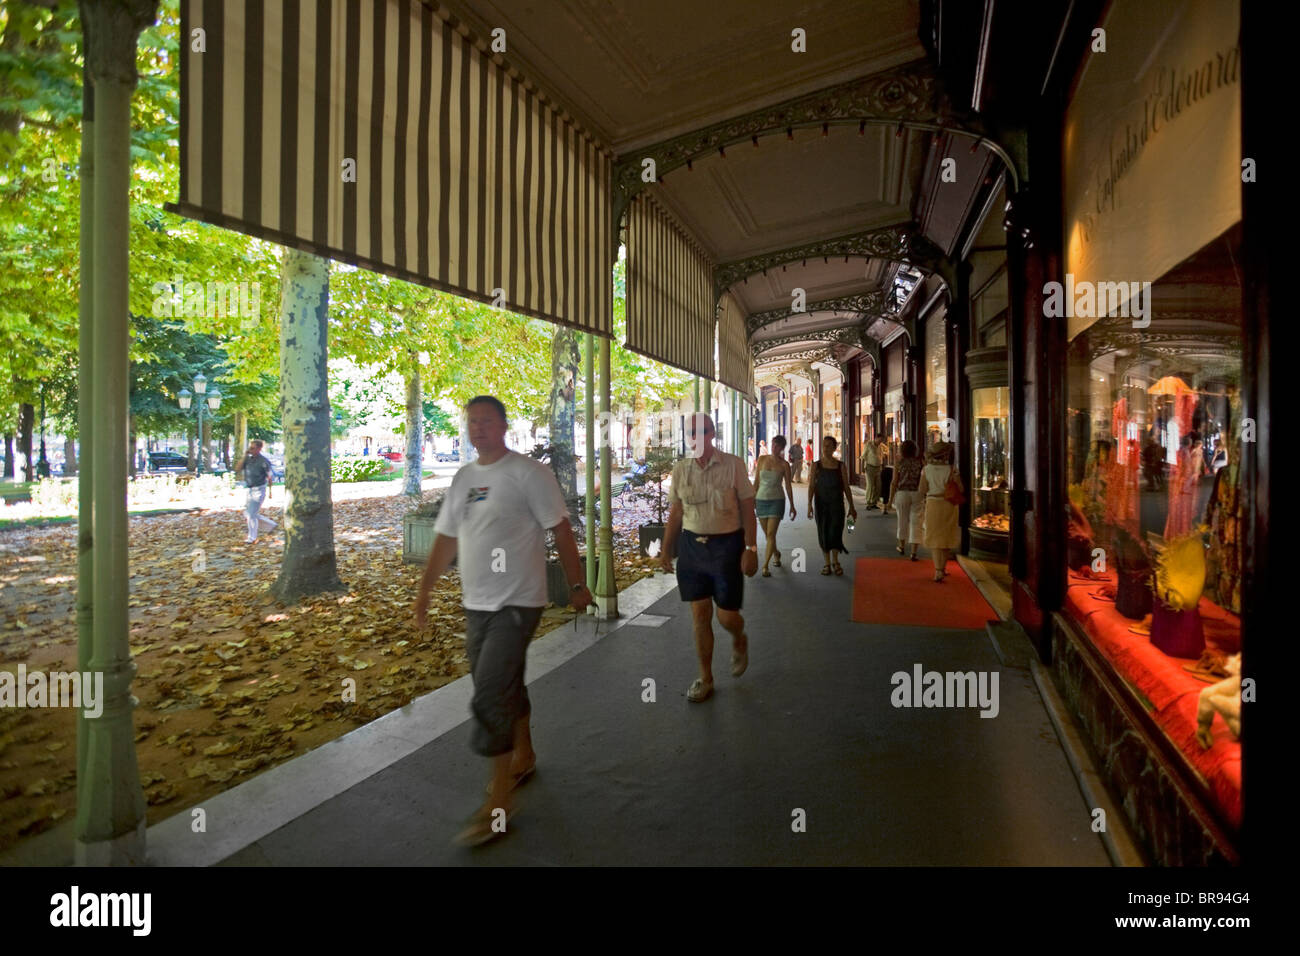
(712, 508)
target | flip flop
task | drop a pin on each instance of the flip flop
(699, 691)
(826, 570)
(767, 573)
(777, 558)
(522, 777)
(839, 571)
(478, 828)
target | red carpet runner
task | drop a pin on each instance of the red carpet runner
(899, 591)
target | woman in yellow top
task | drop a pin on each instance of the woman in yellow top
(942, 534)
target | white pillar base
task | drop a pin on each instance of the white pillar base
(125, 850)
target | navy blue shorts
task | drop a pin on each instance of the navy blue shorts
(708, 566)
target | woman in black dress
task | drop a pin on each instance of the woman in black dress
(828, 488)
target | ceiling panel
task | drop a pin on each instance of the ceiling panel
(640, 72)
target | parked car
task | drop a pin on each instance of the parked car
(392, 454)
(168, 462)
(277, 468)
(445, 456)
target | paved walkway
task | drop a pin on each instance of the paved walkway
(809, 728)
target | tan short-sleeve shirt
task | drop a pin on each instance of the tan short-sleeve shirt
(711, 495)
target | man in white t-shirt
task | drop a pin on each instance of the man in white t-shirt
(494, 520)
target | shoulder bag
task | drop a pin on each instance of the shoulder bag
(952, 491)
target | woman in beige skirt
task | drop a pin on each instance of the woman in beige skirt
(942, 534)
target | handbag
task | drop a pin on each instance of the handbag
(952, 491)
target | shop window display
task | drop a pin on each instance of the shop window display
(1154, 461)
(990, 510)
(936, 377)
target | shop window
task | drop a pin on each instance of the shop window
(991, 409)
(936, 376)
(1155, 428)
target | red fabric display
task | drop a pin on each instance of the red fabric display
(1173, 692)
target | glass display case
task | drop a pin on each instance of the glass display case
(990, 467)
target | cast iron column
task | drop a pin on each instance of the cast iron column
(85, 420)
(606, 590)
(589, 406)
(110, 825)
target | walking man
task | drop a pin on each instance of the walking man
(256, 469)
(871, 462)
(712, 508)
(494, 518)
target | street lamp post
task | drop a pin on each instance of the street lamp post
(213, 401)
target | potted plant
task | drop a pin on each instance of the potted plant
(659, 461)
(418, 532)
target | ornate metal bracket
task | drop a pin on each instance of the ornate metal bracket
(866, 305)
(892, 242)
(850, 335)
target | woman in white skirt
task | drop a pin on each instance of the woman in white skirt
(942, 534)
(904, 496)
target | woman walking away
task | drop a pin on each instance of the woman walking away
(903, 494)
(942, 535)
(771, 473)
(828, 487)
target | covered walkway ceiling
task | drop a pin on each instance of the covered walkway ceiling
(763, 153)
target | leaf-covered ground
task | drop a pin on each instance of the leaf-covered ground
(229, 682)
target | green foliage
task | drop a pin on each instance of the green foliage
(659, 460)
(357, 469)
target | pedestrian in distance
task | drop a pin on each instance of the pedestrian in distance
(828, 490)
(903, 495)
(796, 460)
(494, 520)
(712, 512)
(771, 477)
(870, 460)
(942, 534)
(258, 478)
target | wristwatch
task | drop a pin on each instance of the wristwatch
(752, 547)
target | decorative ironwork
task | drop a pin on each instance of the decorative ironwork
(892, 242)
(867, 305)
(907, 93)
(819, 354)
(850, 335)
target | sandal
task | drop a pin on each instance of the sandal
(899, 550)
(839, 571)
(520, 778)
(767, 573)
(777, 558)
(478, 828)
(826, 569)
(699, 691)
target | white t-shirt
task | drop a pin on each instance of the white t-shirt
(499, 514)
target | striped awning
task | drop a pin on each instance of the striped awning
(670, 304)
(376, 133)
(735, 363)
